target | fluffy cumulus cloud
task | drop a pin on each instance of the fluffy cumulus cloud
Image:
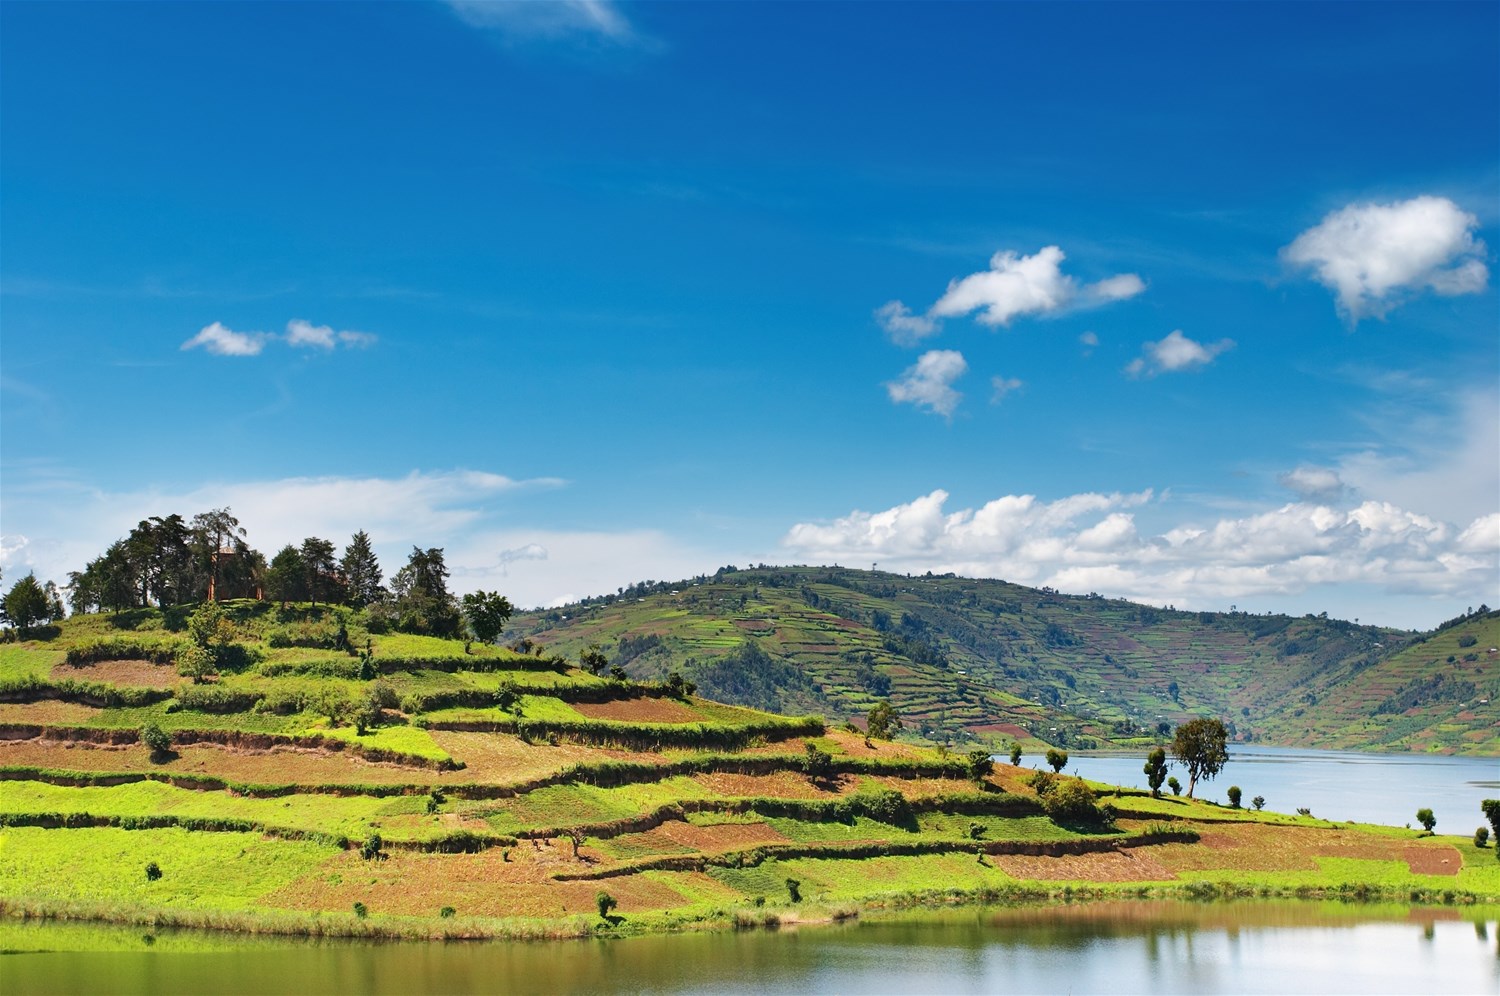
(300, 334)
(1014, 286)
(546, 19)
(928, 383)
(1175, 353)
(1372, 256)
(1312, 482)
(1092, 542)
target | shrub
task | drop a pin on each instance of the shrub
(818, 764)
(1259, 802)
(447, 912)
(157, 739)
(1174, 785)
(794, 889)
(1482, 837)
(361, 910)
(1234, 797)
(1072, 801)
(1015, 754)
(153, 871)
(1425, 817)
(976, 831)
(370, 849)
(605, 902)
(980, 765)
(1042, 782)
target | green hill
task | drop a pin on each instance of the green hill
(967, 658)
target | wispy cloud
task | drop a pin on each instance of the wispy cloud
(1374, 256)
(1014, 286)
(1175, 353)
(1311, 483)
(547, 20)
(300, 334)
(1001, 386)
(928, 383)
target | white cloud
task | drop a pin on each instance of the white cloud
(1091, 542)
(304, 333)
(1013, 286)
(222, 341)
(300, 334)
(1373, 255)
(1175, 353)
(1089, 341)
(1001, 386)
(1312, 482)
(546, 19)
(928, 383)
(902, 326)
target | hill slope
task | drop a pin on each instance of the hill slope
(962, 657)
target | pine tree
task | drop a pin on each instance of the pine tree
(361, 572)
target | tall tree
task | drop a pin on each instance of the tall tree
(1201, 746)
(423, 602)
(220, 536)
(1155, 770)
(486, 613)
(320, 569)
(26, 603)
(361, 571)
(286, 580)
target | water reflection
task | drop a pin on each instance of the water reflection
(1157, 947)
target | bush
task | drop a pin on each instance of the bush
(1015, 754)
(370, 849)
(1174, 785)
(1072, 801)
(1042, 782)
(1234, 797)
(153, 871)
(1259, 802)
(794, 889)
(447, 912)
(1482, 837)
(157, 739)
(361, 910)
(981, 766)
(605, 902)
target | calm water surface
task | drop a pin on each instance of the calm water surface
(1115, 948)
(1336, 785)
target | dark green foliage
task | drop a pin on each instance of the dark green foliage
(361, 572)
(679, 686)
(286, 578)
(1234, 797)
(1174, 785)
(1426, 690)
(818, 764)
(218, 699)
(1491, 810)
(1482, 837)
(1042, 782)
(980, 766)
(751, 677)
(447, 912)
(604, 903)
(159, 741)
(1057, 759)
(361, 910)
(883, 721)
(1156, 771)
(1201, 746)
(26, 604)
(593, 660)
(1425, 817)
(420, 600)
(1070, 801)
(1259, 802)
(485, 615)
(1015, 755)
(153, 871)
(794, 890)
(371, 849)
(320, 570)
(976, 831)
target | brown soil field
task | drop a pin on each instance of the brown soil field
(781, 785)
(1256, 847)
(917, 788)
(1009, 729)
(708, 839)
(1135, 865)
(483, 884)
(280, 766)
(48, 712)
(503, 759)
(138, 674)
(643, 710)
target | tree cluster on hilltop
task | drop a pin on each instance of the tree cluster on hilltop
(169, 561)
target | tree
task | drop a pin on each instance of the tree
(1015, 754)
(486, 613)
(818, 764)
(980, 766)
(361, 572)
(1174, 785)
(1156, 771)
(209, 635)
(320, 570)
(1201, 746)
(1071, 801)
(1425, 817)
(883, 721)
(422, 601)
(605, 902)
(1491, 810)
(215, 529)
(1057, 759)
(1259, 802)
(26, 603)
(286, 580)
(157, 740)
(1234, 797)
(794, 889)
(592, 660)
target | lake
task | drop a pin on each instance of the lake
(1156, 947)
(1336, 785)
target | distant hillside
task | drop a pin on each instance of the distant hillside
(962, 657)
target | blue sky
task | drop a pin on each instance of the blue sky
(1192, 304)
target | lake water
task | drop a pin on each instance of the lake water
(1114, 948)
(1336, 785)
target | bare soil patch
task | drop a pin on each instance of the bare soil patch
(504, 759)
(1432, 860)
(136, 674)
(780, 785)
(1105, 866)
(48, 712)
(642, 710)
(719, 836)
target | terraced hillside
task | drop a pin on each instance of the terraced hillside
(965, 658)
(408, 786)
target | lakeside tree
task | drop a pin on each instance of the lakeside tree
(1234, 797)
(1201, 746)
(1155, 771)
(883, 722)
(1015, 754)
(1057, 759)
(1174, 785)
(604, 902)
(361, 572)
(1425, 817)
(1491, 810)
(485, 614)
(980, 766)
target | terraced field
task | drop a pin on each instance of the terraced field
(497, 793)
(978, 660)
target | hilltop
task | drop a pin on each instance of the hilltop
(972, 659)
(327, 777)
